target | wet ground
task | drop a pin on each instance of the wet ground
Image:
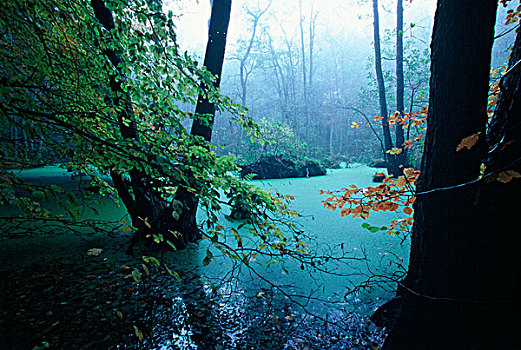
(97, 304)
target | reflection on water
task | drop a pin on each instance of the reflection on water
(196, 314)
(226, 305)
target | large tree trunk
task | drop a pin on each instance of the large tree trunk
(499, 206)
(451, 297)
(213, 61)
(392, 168)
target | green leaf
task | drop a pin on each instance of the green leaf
(136, 275)
(38, 195)
(366, 225)
(153, 260)
(176, 276)
(171, 244)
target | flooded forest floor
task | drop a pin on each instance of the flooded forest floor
(56, 295)
(96, 304)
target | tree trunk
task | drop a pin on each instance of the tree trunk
(331, 134)
(205, 110)
(312, 24)
(499, 204)
(401, 158)
(143, 204)
(213, 61)
(388, 143)
(150, 213)
(457, 285)
(304, 79)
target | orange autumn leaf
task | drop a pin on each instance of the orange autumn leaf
(468, 142)
(507, 176)
(345, 212)
(394, 151)
(364, 215)
(407, 210)
(401, 181)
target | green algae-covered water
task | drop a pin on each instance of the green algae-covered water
(366, 257)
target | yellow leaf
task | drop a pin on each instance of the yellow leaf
(468, 142)
(507, 176)
(138, 333)
(145, 221)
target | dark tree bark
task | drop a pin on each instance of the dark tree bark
(145, 207)
(213, 61)
(205, 109)
(388, 143)
(462, 287)
(150, 213)
(499, 206)
(401, 158)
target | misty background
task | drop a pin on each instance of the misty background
(305, 71)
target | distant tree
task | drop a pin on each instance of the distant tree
(462, 287)
(392, 166)
(401, 158)
(244, 70)
(307, 71)
(247, 64)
